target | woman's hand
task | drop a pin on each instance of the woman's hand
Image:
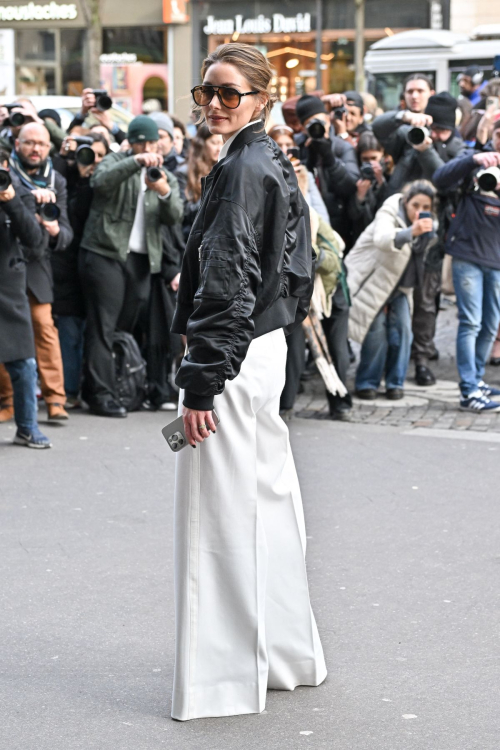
(198, 425)
(362, 188)
(422, 226)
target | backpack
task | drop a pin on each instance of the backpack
(130, 371)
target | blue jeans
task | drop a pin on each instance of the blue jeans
(387, 346)
(71, 329)
(23, 376)
(478, 299)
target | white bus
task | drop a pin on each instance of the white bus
(440, 54)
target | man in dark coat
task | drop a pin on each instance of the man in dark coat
(18, 226)
(414, 162)
(32, 164)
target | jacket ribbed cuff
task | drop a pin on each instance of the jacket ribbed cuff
(197, 402)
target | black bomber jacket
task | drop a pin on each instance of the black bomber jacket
(248, 265)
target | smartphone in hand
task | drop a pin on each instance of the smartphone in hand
(175, 435)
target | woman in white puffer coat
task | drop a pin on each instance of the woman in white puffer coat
(384, 266)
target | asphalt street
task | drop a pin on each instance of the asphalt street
(404, 566)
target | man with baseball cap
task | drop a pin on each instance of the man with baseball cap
(122, 248)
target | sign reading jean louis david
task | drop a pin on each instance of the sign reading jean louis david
(278, 24)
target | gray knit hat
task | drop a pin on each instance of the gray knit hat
(163, 122)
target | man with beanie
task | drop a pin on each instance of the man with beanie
(122, 248)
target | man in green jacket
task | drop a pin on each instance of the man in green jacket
(121, 248)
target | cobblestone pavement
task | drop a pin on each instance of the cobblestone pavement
(430, 407)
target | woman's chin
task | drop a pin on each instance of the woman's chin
(222, 127)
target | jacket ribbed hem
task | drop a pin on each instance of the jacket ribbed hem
(197, 402)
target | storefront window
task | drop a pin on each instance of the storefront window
(33, 80)
(148, 44)
(36, 45)
(72, 41)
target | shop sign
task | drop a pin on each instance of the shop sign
(118, 58)
(32, 12)
(174, 11)
(278, 24)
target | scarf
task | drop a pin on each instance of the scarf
(42, 178)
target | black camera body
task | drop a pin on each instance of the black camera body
(316, 129)
(154, 174)
(339, 112)
(5, 179)
(49, 211)
(367, 172)
(103, 101)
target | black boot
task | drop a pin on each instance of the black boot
(424, 376)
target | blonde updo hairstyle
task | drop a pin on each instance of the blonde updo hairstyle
(252, 65)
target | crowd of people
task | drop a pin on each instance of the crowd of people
(95, 221)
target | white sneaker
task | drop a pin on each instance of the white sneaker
(168, 406)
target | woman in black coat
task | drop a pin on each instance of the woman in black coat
(18, 226)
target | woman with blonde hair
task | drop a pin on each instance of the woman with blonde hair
(243, 618)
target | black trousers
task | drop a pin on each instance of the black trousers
(295, 361)
(335, 328)
(115, 293)
(425, 310)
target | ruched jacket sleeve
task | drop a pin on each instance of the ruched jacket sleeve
(220, 328)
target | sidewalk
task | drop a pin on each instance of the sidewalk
(432, 407)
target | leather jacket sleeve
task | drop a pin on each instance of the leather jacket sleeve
(220, 328)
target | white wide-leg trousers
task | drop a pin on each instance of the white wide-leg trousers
(243, 617)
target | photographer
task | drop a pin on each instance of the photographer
(331, 159)
(384, 266)
(162, 346)
(18, 226)
(78, 158)
(372, 187)
(122, 247)
(172, 161)
(348, 115)
(419, 146)
(32, 164)
(97, 103)
(474, 242)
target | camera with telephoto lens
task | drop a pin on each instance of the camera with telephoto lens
(316, 129)
(488, 179)
(103, 101)
(5, 179)
(367, 172)
(154, 174)
(339, 112)
(49, 211)
(15, 119)
(84, 154)
(416, 136)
